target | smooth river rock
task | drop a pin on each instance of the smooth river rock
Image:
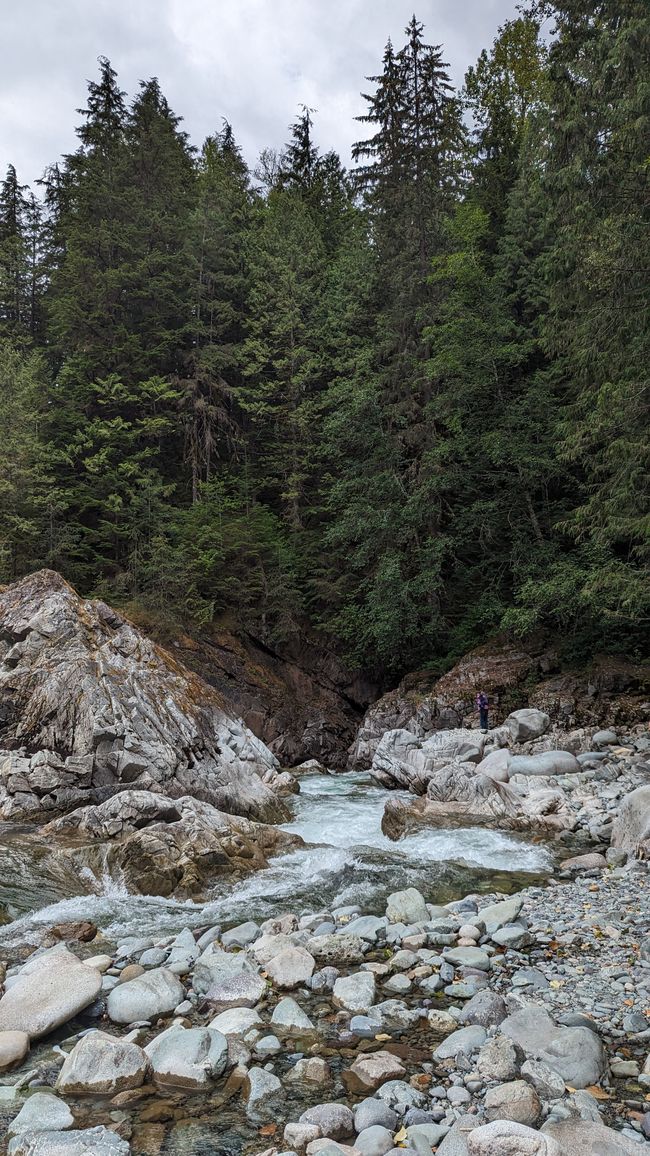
(99, 1141)
(576, 1053)
(508, 1138)
(102, 1065)
(153, 994)
(49, 990)
(42, 1112)
(14, 1046)
(188, 1058)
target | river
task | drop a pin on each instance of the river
(349, 861)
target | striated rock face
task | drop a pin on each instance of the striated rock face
(610, 691)
(89, 706)
(402, 760)
(163, 846)
(298, 697)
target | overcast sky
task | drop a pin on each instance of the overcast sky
(251, 61)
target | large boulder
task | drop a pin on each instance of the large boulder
(99, 1141)
(50, 989)
(156, 993)
(404, 761)
(164, 846)
(575, 1052)
(527, 724)
(509, 1138)
(631, 829)
(588, 1138)
(102, 1065)
(547, 763)
(99, 707)
(188, 1057)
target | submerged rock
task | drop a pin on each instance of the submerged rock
(98, 1141)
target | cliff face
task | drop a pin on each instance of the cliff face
(609, 691)
(298, 697)
(89, 706)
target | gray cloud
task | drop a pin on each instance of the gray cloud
(253, 61)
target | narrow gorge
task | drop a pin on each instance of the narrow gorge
(435, 940)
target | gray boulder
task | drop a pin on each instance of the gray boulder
(407, 907)
(605, 739)
(497, 915)
(335, 1121)
(631, 829)
(289, 1016)
(102, 1065)
(263, 1092)
(188, 1057)
(575, 1053)
(215, 966)
(156, 993)
(545, 764)
(98, 1141)
(291, 967)
(42, 1112)
(486, 1008)
(374, 1141)
(516, 1101)
(371, 1113)
(355, 993)
(464, 1041)
(49, 990)
(527, 724)
(587, 1138)
(509, 1138)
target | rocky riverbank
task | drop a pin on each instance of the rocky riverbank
(489, 1025)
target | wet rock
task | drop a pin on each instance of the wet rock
(49, 990)
(355, 992)
(576, 1053)
(509, 1138)
(291, 967)
(188, 1058)
(527, 724)
(98, 1141)
(42, 1112)
(407, 907)
(156, 993)
(310, 1070)
(465, 1041)
(516, 1101)
(263, 1093)
(288, 1015)
(14, 1046)
(585, 1138)
(102, 1065)
(334, 1121)
(370, 1071)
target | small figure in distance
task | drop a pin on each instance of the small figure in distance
(482, 705)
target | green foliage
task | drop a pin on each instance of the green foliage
(407, 404)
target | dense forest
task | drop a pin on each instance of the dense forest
(403, 403)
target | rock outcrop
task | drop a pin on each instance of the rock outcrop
(89, 707)
(610, 691)
(163, 846)
(297, 696)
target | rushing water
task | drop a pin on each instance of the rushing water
(349, 861)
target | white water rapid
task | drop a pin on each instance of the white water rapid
(350, 862)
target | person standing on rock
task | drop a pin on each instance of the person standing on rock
(482, 705)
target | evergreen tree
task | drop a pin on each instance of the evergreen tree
(20, 274)
(596, 184)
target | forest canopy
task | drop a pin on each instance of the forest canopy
(405, 403)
